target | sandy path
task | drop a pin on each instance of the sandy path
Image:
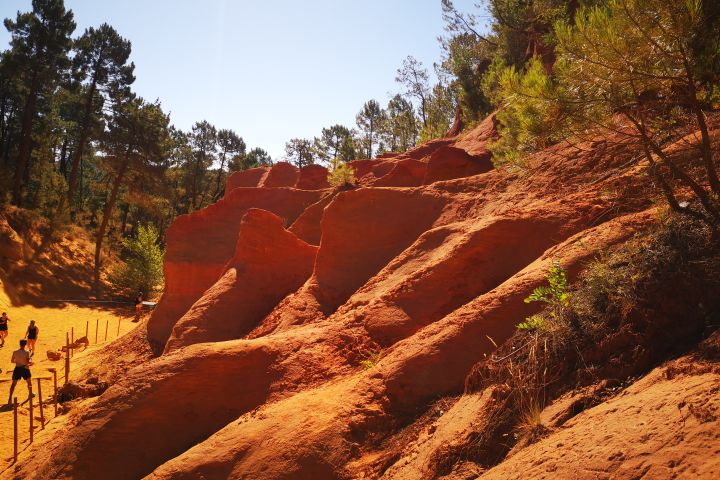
(53, 324)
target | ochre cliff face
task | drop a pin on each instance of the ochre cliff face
(201, 244)
(277, 293)
(269, 263)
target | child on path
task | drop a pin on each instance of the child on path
(21, 359)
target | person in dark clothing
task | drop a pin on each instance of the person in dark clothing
(21, 359)
(139, 303)
(31, 334)
(3, 328)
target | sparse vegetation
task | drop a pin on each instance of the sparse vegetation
(340, 173)
(644, 70)
(141, 269)
(533, 322)
(622, 318)
(373, 358)
(555, 294)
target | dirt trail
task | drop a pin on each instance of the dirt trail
(53, 322)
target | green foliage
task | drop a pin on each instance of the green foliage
(300, 152)
(369, 121)
(440, 112)
(528, 113)
(532, 323)
(335, 142)
(400, 128)
(556, 291)
(620, 64)
(141, 269)
(555, 294)
(373, 359)
(414, 77)
(340, 173)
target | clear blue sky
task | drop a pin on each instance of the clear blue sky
(268, 69)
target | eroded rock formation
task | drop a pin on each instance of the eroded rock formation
(305, 328)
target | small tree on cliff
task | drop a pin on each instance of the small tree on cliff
(141, 269)
(341, 173)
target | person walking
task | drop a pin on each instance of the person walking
(139, 303)
(21, 359)
(31, 334)
(3, 328)
(138, 307)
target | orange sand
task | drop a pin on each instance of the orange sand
(53, 322)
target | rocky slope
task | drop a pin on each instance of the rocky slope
(308, 332)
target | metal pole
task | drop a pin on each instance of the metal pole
(87, 327)
(97, 323)
(118, 331)
(106, 328)
(15, 425)
(72, 338)
(40, 402)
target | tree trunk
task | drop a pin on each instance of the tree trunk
(705, 145)
(219, 177)
(107, 212)
(3, 128)
(126, 212)
(25, 141)
(63, 157)
(80, 144)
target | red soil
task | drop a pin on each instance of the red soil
(415, 282)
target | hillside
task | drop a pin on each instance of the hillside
(307, 332)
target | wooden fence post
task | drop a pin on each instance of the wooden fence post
(55, 397)
(106, 328)
(32, 420)
(67, 360)
(118, 331)
(15, 425)
(87, 327)
(97, 324)
(72, 338)
(40, 404)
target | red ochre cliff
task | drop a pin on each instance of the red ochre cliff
(279, 293)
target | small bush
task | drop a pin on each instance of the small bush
(648, 300)
(531, 323)
(340, 174)
(373, 359)
(141, 269)
(556, 291)
(555, 294)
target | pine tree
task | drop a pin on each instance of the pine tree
(369, 120)
(101, 67)
(300, 151)
(39, 50)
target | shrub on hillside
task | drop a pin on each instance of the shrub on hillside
(341, 173)
(633, 308)
(141, 269)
